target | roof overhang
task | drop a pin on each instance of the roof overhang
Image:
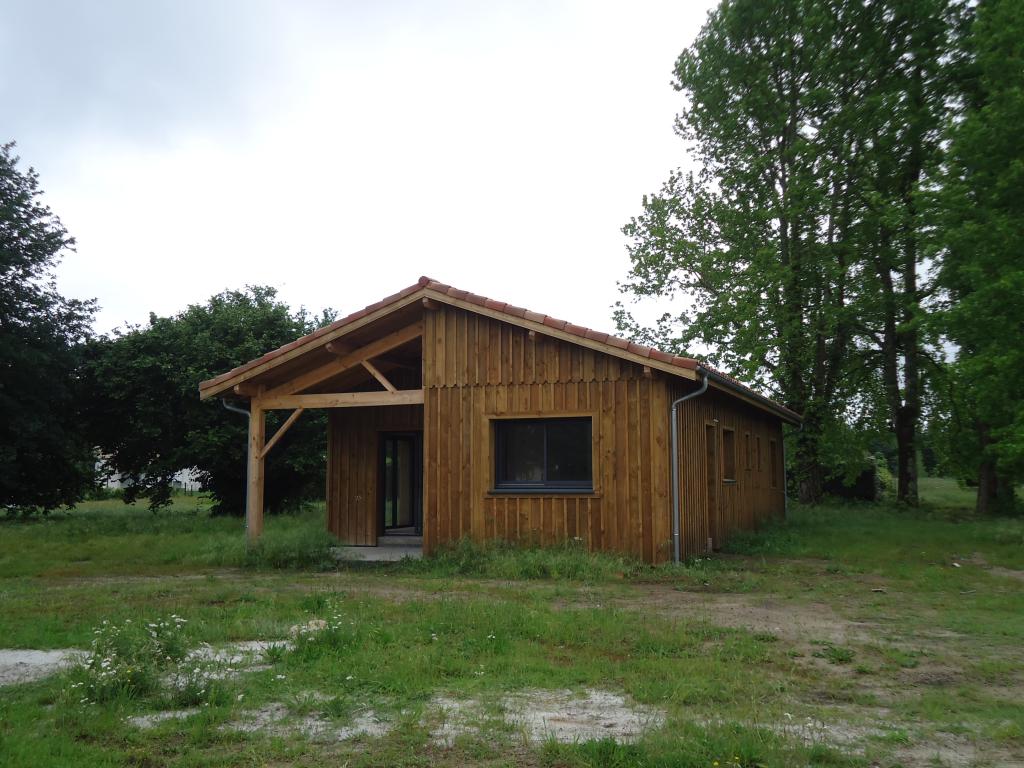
(429, 292)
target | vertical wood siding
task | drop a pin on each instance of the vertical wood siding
(353, 454)
(712, 507)
(476, 369)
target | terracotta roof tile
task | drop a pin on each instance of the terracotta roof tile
(639, 349)
(663, 357)
(535, 317)
(615, 341)
(552, 322)
(682, 362)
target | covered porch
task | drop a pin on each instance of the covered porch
(367, 373)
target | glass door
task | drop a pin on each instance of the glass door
(401, 483)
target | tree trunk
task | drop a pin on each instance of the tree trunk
(995, 490)
(810, 474)
(906, 456)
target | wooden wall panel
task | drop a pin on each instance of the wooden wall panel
(476, 369)
(726, 507)
(353, 453)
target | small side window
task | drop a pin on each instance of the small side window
(728, 455)
(748, 451)
(757, 450)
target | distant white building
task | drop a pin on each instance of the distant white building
(183, 480)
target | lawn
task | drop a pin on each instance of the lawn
(851, 635)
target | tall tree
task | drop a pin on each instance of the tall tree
(45, 460)
(797, 246)
(982, 260)
(910, 65)
(146, 416)
(759, 242)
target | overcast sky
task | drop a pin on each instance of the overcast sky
(339, 150)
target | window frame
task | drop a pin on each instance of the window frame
(546, 487)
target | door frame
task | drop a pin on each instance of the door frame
(416, 437)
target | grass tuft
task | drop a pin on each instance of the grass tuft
(500, 560)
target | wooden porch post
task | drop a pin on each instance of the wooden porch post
(254, 475)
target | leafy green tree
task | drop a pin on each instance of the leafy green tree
(910, 63)
(982, 262)
(146, 416)
(45, 461)
(796, 246)
(759, 243)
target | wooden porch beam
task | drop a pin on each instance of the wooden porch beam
(280, 432)
(254, 474)
(352, 359)
(246, 390)
(379, 376)
(342, 399)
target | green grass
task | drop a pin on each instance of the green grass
(853, 616)
(109, 537)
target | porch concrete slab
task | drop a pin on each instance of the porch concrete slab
(381, 554)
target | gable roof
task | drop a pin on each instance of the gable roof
(428, 288)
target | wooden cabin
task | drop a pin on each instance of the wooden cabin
(453, 415)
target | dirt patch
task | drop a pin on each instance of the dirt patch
(569, 717)
(244, 652)
(276, 719)
(794, 621)
(996, 570)
(23, 666)
(563, 715)
(154, 719)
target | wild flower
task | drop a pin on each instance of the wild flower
(126, 659)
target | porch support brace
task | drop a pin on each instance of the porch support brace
(350, 360)
(280, 432)
(254, 473)
(379, 376)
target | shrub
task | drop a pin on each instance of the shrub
(197, 683)
(126, 660)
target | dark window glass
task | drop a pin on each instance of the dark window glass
(523, 442)
(538, 454)
(728, 454)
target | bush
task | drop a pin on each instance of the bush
(126, 660)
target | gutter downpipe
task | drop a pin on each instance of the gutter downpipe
(676, 514)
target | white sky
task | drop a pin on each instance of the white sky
(338, 151)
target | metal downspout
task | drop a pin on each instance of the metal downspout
(676, 518)
(234, 408)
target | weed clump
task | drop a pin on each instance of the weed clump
(126, 660)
